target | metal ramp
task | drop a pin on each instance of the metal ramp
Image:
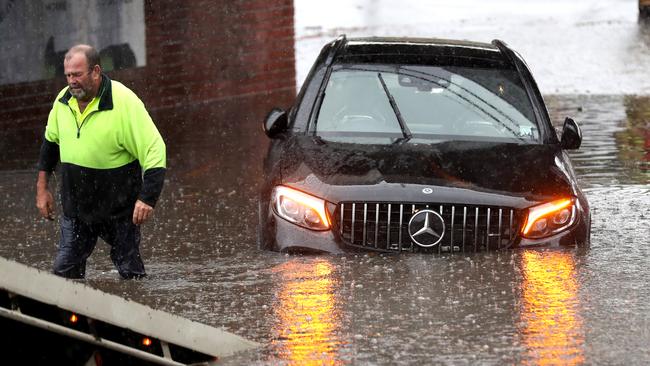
(49, 319)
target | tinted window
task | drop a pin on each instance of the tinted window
(436, 103)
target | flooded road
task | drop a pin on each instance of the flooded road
(530, 306)
(572, 47)
(522, 306)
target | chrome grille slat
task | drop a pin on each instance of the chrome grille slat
(487, 231)
(401, 217)
(353, 212)
(412, 212)
(440, 244)
(451, 237)
(464, 223)
(376, 223)
(499, 231)
(365, 222)
(476, 230)
(342, 218)
(388, 228)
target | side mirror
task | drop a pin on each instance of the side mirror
(571, 135)
(276, 122)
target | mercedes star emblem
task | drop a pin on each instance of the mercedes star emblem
(427, 190)
(426, 228)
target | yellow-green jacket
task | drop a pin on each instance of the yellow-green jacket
(103, 152)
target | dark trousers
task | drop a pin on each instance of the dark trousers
(78, 239)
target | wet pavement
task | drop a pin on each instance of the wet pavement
(572, 47)
(531, 306)
(522, 306)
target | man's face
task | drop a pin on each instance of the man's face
(81, 79)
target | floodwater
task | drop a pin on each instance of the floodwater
(572, 47)
(534, 306)
(520, 306)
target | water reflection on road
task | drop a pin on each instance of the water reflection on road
(306, 313)
(512, 307)
(552, 325)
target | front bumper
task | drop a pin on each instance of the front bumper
(284, 236)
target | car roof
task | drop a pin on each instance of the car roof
(413, 41)
(433, 51)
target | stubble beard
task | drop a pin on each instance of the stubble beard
(80, 93)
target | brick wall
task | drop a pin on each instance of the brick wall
(212, 67)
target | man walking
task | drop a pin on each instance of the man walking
(105, 140)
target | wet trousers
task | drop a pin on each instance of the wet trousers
(78, 239)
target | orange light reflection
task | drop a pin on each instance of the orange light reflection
(552, 327)
(307, 316)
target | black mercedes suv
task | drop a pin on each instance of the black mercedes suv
(419, 145)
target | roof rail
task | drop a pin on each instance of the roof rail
(503, 47)
(337, 44)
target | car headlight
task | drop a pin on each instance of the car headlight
(549, 218)
(300, 208)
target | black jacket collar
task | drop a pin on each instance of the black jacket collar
(105, 92)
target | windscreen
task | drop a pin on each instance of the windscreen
(386, 103)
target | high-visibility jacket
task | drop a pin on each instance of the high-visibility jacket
(103, 152)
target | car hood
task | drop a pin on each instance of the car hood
(458, 171)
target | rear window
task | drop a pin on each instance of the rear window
(435, 103)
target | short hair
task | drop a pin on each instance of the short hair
(92, 56)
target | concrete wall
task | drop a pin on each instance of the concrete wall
(213, 69)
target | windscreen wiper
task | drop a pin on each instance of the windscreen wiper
(405, 130)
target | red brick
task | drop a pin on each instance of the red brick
(198, 52)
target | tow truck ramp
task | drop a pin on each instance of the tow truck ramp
(49, 319)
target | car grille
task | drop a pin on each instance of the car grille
(384, 226)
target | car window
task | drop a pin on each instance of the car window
(439, 103)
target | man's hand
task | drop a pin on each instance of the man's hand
(45, 203)
(44, 199)
(142, 212)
